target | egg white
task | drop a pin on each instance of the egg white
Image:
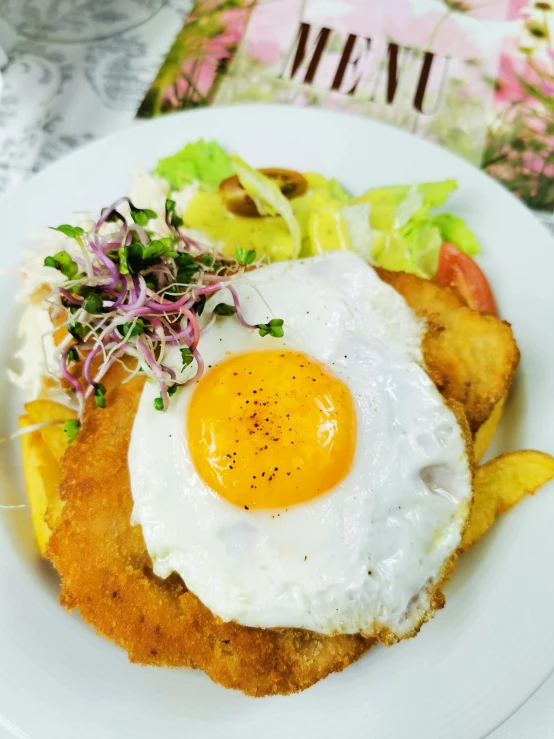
(361, 557)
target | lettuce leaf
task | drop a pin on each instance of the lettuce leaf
(203, 161)
(268, 198)
(406, 235)
(386, 200)
(453, 229)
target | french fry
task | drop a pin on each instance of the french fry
(42, 476)
(500, 484)
(43, 411)
(485, 434)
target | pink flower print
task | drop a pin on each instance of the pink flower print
(533, 161)
(512, 70)
(371, 20)
(266, 52)
(332, 13)
(447, 37)
(516, 8)
(170, 97)
(536, 125)
(489, 10)
(547, 88)
(200, 75)
(271, 29)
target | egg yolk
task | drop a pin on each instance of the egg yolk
(271, 429)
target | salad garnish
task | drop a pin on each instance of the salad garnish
(129, 294)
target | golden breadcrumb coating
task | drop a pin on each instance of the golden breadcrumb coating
(470, 357)
(106, 570)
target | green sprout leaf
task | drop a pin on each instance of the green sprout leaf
(207, 260)
(245, 257)
(71, 429)
(84, 290)
(63, 263)
(100, 395)
(175, 220)
(76, 330)
(130, 259)
(114, 217)
(131, 328)
(186, 268)
(199, 305)
(72, 355)
(73, 232)
(160, 247)
(159, 403)
(223, 309)
(93, 303)
(141, 216)
(273, 328)
(187, 356)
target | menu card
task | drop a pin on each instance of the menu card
(475, 76)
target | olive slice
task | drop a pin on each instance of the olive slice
(292, 184)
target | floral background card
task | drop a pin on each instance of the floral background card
(476, 76)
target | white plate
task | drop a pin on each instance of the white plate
(477, 660)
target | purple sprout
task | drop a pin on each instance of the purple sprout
(139, 294)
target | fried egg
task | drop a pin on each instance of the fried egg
(317, 480)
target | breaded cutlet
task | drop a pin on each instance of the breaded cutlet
(106, 570)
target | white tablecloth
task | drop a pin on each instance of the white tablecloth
(76, 71)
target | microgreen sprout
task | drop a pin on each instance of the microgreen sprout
(72, 355)
(223, 309)
(130, 295)
(245, 257)
(93, 303)
(159, 401)
(273, 328)
(187, 356)
(172, 219)
(71, 429)
(63, 263)
(76, 330)
(100, 395)
(73, 232)
(141, 216)
(129, 330)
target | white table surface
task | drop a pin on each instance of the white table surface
(85, 79)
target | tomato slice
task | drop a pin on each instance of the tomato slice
(292, 184)
(461, 272)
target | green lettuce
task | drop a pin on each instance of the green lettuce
(386, 200)
(453, 229)
(203, 161)
(395, 227)
(406, 235)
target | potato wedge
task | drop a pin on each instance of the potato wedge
(42, 476)
(500, 484)
(41, 411)
(485, 434)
